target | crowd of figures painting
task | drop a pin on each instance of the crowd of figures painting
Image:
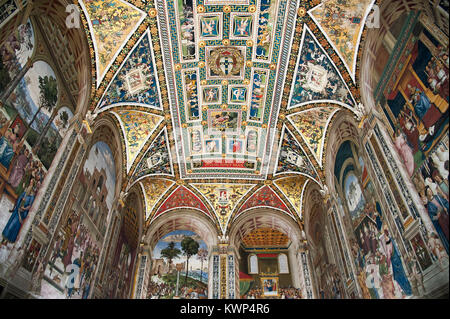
(32, 125)
(420, 104)
(283, 293)
(158, 289)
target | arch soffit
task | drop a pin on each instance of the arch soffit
(344, 129)
(261, 218)
(77, 46)
(136, 192)
(104, 130)
(182, 219)
(313, 211)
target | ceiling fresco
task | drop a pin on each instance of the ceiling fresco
(265, 237)
(223, 198)
(137, 127)
(223, 105)
(182, 198)
(156, 159)
(153, 190)
(135, 83)
(292, 158)
(291, 187)
(265, 197)
(110, 22)
(342, 21)
(317, 79)
(312, 125)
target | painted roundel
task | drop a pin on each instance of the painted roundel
(225, 62)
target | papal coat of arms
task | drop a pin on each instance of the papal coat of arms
(223, 201)
(225, 62)
(135, 80)
(316, 78)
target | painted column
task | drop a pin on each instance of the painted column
(301, 275)
(142, 274)
(107, 284)
(294, 268)
(305, 265)
(389, 41)
(214, 278)
(232, 283)
(223, 273)
(345, 243)
(106, 248)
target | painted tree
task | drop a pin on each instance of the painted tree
(202, 255)
(5, 79)
(190, 248)
(64, 117)
(170, 252)
(47, 99)
(48, 96)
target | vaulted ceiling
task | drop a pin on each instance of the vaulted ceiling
(224, 105)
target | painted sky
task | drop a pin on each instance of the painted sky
(357, 199)
(176, 237)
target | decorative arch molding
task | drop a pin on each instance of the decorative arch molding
(265, 218)
(313, 210)
(347, 163)
(104, 130)
(268, 207)
(182, 219)
(343, 129)
(76, 45)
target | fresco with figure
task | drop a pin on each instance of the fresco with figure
(125, 262)
(417, 110)
(376, 255)
(15, 52)
(32, 126)
(185, 250)
(264, 266)
(120, 273)
(76, 246)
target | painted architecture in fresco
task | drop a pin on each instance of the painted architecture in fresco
(416, 108)
(72, 265)
(210, 149)
(374, 249)
(264, 270)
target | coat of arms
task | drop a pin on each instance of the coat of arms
(135, 80)
(316, 78)
(225, 62)
(223, 200)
